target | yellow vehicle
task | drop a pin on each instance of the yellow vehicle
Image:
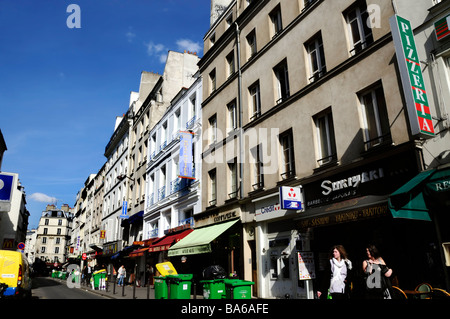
(15, 272)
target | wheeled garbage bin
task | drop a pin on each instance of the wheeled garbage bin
(213, 289)
(161, 289)
(99, 279)
(238, 289)
(180, 286)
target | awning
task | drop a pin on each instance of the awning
(138, 252)
(437, 189)
(138, 217)
(408, 201)
(198, 242)
(165, 242)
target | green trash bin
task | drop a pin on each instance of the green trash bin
(99, 279)
(180, 286)
(238, 289)
(161, 289)
(213, 289)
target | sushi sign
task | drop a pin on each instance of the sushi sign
(412, 78)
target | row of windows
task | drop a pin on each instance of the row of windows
(44, 249)
(375, 124)
(359, 33)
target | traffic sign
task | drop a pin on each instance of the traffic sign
(84, 256)
(21, 246)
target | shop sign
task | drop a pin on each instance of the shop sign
(412, 78)
(6, 188)
(306, 266)
(215, 218)
(291, 198)
(269, 208)
(8, 243)
(124, 210)
(102, 234)
(442, 28)
(347, 216)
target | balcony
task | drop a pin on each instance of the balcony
(190, 123)
(161, 193)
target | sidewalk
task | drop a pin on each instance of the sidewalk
(126, 292)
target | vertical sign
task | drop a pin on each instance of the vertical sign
(412, 78)
(185, 161)
(124, 210)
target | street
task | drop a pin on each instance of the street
(47, 288)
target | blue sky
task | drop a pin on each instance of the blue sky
(61, 88)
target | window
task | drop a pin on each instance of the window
(251, 43)
(212, 80)
(275, 18)
(56, 250)
(59, 222)
(374, 115)
(212, 39)
(212, 188)
(230, 63)
(45, 231)
(212, 129)
(58, 231)
(42, 249)
(282, 81)
(46, 222)
(258, 178)
(44, 240)
(307, 3)
(316, 58)
(360, 34)
(325, 137)
(232, 115)
(287, 155)
(229, 19)
(232, 168)
(255, 102)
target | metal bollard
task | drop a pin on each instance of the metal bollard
(123, 290)
(114, 286)
(195, 289)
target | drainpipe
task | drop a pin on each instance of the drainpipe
(239, 102)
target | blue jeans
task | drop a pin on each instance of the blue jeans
(120, 280)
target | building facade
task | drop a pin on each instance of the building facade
(317, 106)
(53, 235)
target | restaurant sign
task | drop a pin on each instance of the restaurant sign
(412, 78)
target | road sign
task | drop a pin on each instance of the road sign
(21, 246)
(84, 256)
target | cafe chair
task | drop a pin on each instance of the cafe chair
(437, 293)
(425, 288)
(398, 294)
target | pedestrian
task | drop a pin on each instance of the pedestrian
(377, 275)
(88, 274)
(336, 280)
(122, 273)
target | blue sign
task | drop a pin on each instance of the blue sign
(6, 183)
(185, 161)
(124, 210)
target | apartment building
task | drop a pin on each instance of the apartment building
(307, 94)
(125, 170)
(172, 193)
(53, 235)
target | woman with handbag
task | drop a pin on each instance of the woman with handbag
(377, 275)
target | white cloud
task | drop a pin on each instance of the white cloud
(158, 50)
(39, 197)
(188, 45)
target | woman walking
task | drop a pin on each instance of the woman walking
(336, 280)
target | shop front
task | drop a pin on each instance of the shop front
(349, 207)
(427, 197)
(277, 250)
(216, 240)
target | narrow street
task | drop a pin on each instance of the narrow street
(47, 288)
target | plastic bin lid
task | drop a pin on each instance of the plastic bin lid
(166, 269)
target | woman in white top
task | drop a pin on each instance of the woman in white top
(122, 273)
(337, 274)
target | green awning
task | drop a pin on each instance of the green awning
(408, 201)
(198, 242)
(437, 189)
